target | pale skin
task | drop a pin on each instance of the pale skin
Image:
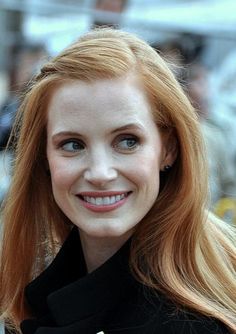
(105, 153)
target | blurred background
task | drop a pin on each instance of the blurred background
(197, 37)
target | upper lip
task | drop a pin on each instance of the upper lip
(102, 193)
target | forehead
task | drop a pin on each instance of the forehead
(117, 100)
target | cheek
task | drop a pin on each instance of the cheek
(145, 170)
(62, 172)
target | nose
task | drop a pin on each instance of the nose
(100, 170)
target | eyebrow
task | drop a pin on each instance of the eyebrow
(130, 126)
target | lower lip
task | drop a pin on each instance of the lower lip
(104, 208)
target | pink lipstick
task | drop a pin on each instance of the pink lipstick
(103, 201)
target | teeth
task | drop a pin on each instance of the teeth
(113, 199)
(92, 200)
(99, 201)
(107, 200)
(117, 198)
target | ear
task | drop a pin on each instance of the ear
(169, 151)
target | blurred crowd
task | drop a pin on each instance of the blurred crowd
(26, 60)
(211, 91)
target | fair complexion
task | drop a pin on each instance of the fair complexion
(104, 153)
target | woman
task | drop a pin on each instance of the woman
(109, 144)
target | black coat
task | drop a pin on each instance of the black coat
(67, 300)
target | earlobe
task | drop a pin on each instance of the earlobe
(167, 168)
(170, 152)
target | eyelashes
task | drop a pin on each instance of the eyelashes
(72, 145)
(123, 143)
(127, 143)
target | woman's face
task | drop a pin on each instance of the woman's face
(105, 153)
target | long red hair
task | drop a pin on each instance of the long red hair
(178, 248)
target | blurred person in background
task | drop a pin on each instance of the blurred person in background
(185, 53)
(26, 60)
(110, 168)
(106, 9)
(180, 52)
(222, 169)
(25, 63)
(223, 102)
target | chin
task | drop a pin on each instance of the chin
(108, 232)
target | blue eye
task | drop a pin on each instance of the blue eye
(127, 143)
(73, 146)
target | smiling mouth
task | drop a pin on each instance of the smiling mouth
(104, 200)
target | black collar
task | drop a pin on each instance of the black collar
(65, 284)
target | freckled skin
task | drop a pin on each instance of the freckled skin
(95, 112)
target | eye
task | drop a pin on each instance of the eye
(72, 145)
(127, 143)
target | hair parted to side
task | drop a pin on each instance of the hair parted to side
(178, 248)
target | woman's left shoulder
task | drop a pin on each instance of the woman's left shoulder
(187, 322)
(167, 317)
(198, 325)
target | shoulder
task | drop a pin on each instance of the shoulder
(172, 319)
(185, 323)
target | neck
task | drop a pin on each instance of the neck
(98, 250)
